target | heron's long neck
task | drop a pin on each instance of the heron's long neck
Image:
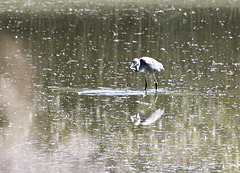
(137, 68)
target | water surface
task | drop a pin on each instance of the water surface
(70, 104)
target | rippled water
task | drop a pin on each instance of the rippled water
(69, 103)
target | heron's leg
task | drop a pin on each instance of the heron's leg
(145, 82)
(155, 81)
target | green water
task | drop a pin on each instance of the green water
(69, 103)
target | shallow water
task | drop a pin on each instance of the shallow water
(70, 104)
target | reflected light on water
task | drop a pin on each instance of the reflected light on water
(70, 104)
(16, 83)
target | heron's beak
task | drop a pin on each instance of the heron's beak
(132, 67)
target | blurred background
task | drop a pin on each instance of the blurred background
(70, 104)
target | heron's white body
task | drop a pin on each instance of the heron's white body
(147, 65)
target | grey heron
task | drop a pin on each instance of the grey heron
(147, 65)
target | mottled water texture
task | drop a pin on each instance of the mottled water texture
(69, 103)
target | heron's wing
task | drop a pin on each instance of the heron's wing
(152, 63)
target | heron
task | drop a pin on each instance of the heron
(147, 65)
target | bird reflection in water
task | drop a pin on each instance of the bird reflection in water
(136, 119)
(147, 112)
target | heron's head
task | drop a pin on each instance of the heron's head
(135, 64)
